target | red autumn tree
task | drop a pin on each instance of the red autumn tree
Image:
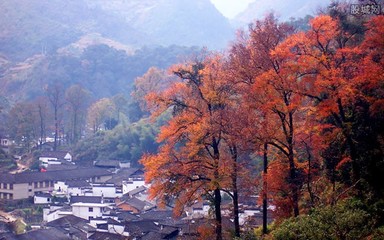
(191, 162)
(344, 81)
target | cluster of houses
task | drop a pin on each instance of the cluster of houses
(106, 201)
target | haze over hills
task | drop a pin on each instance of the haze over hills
(167, 22)
(284, 9)
(28, 27)
(43, 41)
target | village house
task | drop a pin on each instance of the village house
(42, 198)
(54, 158)
(133, 205)
(53, 212)
(107, 190)
(71, 188)
(132, 183)
(26, 184)
(75, 227)
(5, 144)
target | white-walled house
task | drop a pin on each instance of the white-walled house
(54, 212)
(72, 187)
(132, 184)
(89, 210)
(54, 157)
(246, 213)
(107, 190)
(42, 198)
(199, 209)
(26, 184)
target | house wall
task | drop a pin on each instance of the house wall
(60, 186)
(24, 190)
(106, 191)
(49, 216)
(75, 191)
(132, 184)
(41, 200)
(83, 210)
(117, 229)
(68, 157)
(47, 159)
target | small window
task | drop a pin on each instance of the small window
(48, 199)
(11, 196)
(11, 186)
(5, 186)
(29, 190)
(35, 184)
(30, 184)
(90, 209)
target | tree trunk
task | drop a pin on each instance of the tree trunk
(41, 127)
(56, 129)
(293, 181)
(235, 192)
(217, 197)
(218, 229)
(265, 185)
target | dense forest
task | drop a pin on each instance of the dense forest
(291, 112)
(308, 104)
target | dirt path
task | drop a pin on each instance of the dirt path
(6, 217)
(20, 167)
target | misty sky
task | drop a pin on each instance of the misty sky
(231, 8)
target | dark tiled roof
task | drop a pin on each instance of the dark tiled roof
(157, 215)
(85, 199)
(114, 222)
(66, 221)
(108, 163)
(127, 216)
(138, 228)
(46, 234)
(77, 183)
(45, 195)
(102, 226)
(121, 175)
(80, 173)
(54, 154)
(138, 204)
(137, 190)
(152, 236)
(105, 236)
(59, 167)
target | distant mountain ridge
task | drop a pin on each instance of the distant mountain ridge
(180, 22)
(28, 27)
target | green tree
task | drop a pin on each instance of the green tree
(76, 98)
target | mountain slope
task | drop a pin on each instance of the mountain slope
(180, 22)
(28, 27)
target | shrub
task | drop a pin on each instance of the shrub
(343, 221)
